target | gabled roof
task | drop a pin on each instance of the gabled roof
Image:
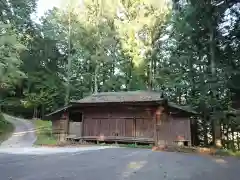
(122, 96)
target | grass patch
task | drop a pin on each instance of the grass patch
(44, 133)
(6, 129)
(226, 152)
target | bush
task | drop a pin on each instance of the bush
(6, 128)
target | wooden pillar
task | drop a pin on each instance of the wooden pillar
(64, 125)
(157, 120)
(82, 126)
(155, 128)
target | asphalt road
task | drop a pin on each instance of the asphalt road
(23, 135)
(117, 164)
(20, 161)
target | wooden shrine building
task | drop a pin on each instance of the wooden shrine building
(133, 116)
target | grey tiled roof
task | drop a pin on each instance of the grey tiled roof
(126, 96)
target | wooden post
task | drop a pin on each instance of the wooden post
(82, 126)
(135, 128)
(155, 128)
(64, 127)
(157, 119)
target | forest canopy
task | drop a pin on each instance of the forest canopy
(188, 49)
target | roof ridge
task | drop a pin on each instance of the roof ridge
(122, 96)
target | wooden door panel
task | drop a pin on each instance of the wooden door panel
(104, 130)
(130, 127)
(164, 132)
(144, 128)
(121, 127)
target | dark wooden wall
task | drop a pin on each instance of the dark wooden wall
(118, 121)
(130, 121)
(173, 128)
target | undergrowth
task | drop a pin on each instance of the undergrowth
(227, 152)
(6, 128)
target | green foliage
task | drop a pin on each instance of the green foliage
(190, 51)
(10, 62)
(225, 152)
(6, 128)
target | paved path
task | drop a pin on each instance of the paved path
(117, 164)
(23, 135)
(23, 138)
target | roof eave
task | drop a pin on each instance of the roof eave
(58, 110)
(183, 108)
(118, 102)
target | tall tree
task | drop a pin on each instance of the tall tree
(10, 62)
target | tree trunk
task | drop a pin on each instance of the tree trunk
(233, 139)
(191, 75)
(95, 79)
(69, 65)
(213, 128)
(216, 139)
(99, 15)
(34, 112)
(150, 75)
(129, 77)
(103, 80)
(205, 131)
(238, 144)
(42, 111)
(227, 135)
(154, 68)
(179, 96)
